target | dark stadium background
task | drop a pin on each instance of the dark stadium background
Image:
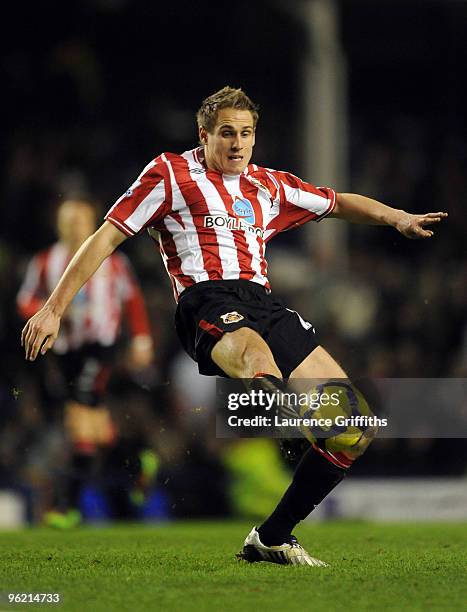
(93, 90)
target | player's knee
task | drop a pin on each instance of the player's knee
(243, 353)
(250, 360)
(253, 361)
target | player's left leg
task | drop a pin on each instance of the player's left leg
(319, 470)
(319, 365)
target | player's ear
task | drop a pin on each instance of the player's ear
(203, 135)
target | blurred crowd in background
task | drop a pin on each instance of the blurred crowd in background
(92, 101)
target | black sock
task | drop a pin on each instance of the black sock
(275, 388)
(314, 478)
(82, 466)
(267, 382)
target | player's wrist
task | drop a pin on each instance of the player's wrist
(397, 218)
(54, 308)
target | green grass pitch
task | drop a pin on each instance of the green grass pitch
(191, 566)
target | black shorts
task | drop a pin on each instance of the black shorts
(80, 375)
(209, 309)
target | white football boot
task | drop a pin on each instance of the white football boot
(290, 553)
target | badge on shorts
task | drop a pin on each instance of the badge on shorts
(232, 317)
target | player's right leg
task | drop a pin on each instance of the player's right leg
(322, 466)
(244, 354)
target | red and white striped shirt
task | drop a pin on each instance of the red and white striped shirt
(213, 226)
(95, 314)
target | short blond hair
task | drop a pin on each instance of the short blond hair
(227, 97)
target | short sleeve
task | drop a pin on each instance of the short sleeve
(297, 202)
(144, 204)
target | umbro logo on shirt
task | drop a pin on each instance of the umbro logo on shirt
(197, 170)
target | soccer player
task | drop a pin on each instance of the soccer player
(211, 212)
(85, 346)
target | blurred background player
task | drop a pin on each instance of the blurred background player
(77, 372)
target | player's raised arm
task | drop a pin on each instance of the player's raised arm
(40, 332)
(360, 209)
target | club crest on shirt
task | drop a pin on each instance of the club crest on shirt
(244, 209)
(232, 317)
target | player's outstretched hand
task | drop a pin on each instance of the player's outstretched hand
(40, 333)
(413, 226)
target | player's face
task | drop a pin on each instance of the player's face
(75, 222)
(228, 149)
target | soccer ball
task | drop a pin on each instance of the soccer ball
(338, 409)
